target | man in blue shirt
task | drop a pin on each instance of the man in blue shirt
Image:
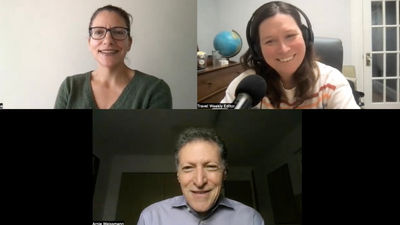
(201, 168)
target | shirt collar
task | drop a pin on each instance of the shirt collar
(225, 202)
(180, 201)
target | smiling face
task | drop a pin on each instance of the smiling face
(108, 52)
(282, 44)
(200, 174)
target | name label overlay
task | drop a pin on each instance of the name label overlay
(108, 223)
(215, 106)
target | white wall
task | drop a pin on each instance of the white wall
(357, 40)
(207, 23)
(235, 14)
(43, 41)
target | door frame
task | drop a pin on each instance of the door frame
(361, 35)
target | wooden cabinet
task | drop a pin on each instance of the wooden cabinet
(213, 81)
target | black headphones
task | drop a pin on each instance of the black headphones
(254, 48)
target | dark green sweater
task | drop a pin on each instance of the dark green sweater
(142, 92)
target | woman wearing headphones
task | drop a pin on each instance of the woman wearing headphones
(281, 51)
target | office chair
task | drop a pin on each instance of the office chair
(330, 52)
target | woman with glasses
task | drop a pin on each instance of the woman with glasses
(112, 85)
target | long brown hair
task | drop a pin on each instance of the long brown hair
(304, 77)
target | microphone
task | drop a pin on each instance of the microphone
(249, 92)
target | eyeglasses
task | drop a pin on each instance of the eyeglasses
(117, 33)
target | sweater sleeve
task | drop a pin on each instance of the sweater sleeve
(161, 96)
(230, 91)
(62, 96)
(342, 97)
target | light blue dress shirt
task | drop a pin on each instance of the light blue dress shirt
(175, 211)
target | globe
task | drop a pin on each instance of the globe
(228, 43)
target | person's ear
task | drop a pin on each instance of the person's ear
(89, 44)
(130, 43)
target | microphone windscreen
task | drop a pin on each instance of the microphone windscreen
(255, 86)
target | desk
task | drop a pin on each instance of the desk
(213, 81)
